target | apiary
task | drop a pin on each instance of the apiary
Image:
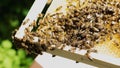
(86, 31)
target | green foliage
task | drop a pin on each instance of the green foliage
(11, 58)
(6, 44)
(12, 13)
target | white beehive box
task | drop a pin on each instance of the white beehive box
(99, 60)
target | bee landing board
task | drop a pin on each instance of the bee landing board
(68, 22)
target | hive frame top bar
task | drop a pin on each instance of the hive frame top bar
(31, 17)
(99, 60)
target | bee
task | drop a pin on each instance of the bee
(58, 9)
(52, 47)
(40, 15)
(95, 29)
(77, 62)
(23, 44)
(116, 43)
(27, 31)
(25, 21)
(24, 38)
(72, 49)
(88, 54)
(79, 28)
(33, 24)
(13, 33)
(87, 46)
(53, 55)
(61, 46)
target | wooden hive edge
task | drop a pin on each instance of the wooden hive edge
(98, 60)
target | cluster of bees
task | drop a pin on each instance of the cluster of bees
(81, 28)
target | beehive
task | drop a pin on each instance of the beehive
(106, 47)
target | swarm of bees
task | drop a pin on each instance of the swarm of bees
(81, 27)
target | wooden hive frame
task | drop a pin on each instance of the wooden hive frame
(101, 61)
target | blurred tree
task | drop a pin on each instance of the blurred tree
(12, 12)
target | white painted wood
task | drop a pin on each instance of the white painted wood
(99, 60)
(32, 15)
(47, 61)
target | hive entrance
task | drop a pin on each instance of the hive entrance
(90, 26)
